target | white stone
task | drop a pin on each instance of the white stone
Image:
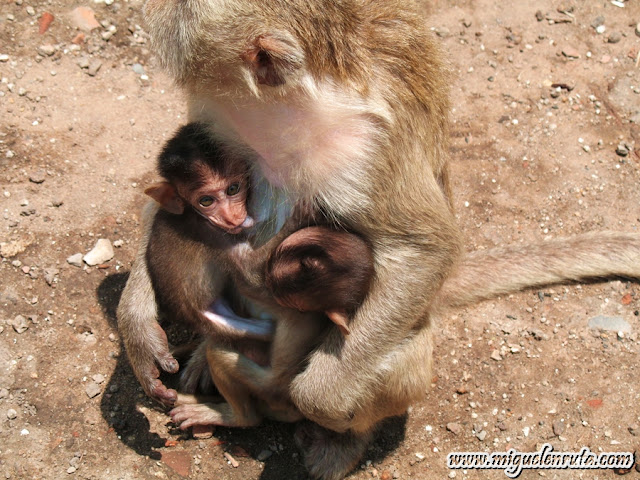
(75, 260)
(101, 253)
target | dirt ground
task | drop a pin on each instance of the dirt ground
(542, 100)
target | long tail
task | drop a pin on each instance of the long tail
(487, 273)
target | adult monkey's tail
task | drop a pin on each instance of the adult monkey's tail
(488, 273)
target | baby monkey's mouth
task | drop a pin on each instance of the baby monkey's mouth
(248, 222)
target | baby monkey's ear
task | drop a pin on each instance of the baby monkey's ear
(272, 57)
(341, 319)
(166, 195)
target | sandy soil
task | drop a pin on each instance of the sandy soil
(542, 102)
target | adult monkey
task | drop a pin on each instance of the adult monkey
(344, 104)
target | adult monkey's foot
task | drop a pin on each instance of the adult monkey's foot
(330, 455)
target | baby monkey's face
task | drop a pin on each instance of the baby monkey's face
(220, 199)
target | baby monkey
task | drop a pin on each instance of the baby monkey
(204, 209)
(200, 176)
(317, 269)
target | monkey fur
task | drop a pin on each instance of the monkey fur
(344, 105)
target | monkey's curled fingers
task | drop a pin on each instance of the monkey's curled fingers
(145, 360)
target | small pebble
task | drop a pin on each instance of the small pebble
(84, 19)
(12, 414)
(46, 50)
(622, 150)
(50, 275)
(78, 39)
(454, 428)
(612, 324)
(92, 390)
(19, 324)
(44, 22)
(83, 62)
(138, 68)
(495, 355)
(558, 428)
(37, 177)
(94, 66)
(31, 11)
(75, 260)
(614, 37)
(202, 432)
(101, 253)
(234, 463)
(481, 435)
(598, 21)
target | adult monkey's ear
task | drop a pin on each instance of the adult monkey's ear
(165, 194)
(272, 57)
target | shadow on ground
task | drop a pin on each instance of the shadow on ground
(123, 395)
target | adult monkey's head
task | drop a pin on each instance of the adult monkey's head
(335, 97)
(273, 43)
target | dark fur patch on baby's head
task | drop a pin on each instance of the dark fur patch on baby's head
(192, 146)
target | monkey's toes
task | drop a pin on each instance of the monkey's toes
(169, 364)
(189, 415)
(164, 395)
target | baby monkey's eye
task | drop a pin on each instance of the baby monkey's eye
(233, 189)
(206, 201)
